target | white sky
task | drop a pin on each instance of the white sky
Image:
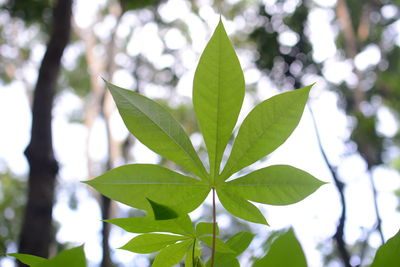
(314, 219)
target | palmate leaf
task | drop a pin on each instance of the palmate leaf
(155, 127)
(218, 92)
(134, 184)
(217, 97)
(285, 251)
(266, 127)
(185, 240)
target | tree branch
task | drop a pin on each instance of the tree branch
(341, 245)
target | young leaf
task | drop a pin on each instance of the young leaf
(162, 212)
(27, 259)
(266, 127)
(274, 185)
(133, 184)
(285, 251)
(218, 92)
(171, 255)
(238, 243)
(203, 228)
(181, 225)
(388, 254)
(149, 243)
(240, 207)
(157, 129)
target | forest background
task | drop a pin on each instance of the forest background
(53, 103)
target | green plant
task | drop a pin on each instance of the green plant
(218, 93)
(168, 196)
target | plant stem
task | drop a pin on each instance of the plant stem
(194, 249)
(214, 228)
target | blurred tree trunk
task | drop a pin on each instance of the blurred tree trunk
(37, 232)
(101, 105)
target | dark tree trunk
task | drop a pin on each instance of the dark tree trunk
(37, 232)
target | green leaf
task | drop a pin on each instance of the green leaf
(240, 242)
(223, 260)
(274, 185)
(162, 212)
(240, 207)
(285, 251)
(30, 260)
(171, 255)
(67, 258)
(134, 184)
(220, 245)
(149, 243)
(218, 92)
(181, 225)
(388, 254)
(266, 127)
(157, 129)
(203, 228)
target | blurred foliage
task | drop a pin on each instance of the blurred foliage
(138, 4)
(12, 202)
(78, 78)
(369, 143)
(31, 12)
(284, 64)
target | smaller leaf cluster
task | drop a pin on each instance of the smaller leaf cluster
(284, 251)
(175, 239)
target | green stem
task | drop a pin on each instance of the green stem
(194, 249)
(214, 228)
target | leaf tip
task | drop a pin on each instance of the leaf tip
(104, 79)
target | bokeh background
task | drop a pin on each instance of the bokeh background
(53, 54)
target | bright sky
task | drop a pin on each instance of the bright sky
(314, 219)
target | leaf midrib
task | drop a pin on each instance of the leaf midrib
(277, 184)
(147, 183)
(216, 169)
